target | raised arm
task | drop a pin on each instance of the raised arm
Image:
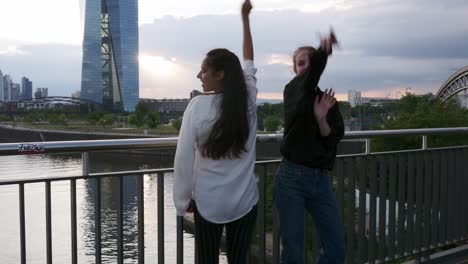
(318, 61)
(326, 101)
(248, 52)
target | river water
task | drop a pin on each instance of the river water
(43, 166)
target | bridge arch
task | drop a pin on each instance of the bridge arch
(455, 84)
(58, 99)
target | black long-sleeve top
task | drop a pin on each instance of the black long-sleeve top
(302, 142)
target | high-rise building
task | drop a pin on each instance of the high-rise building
(38, 93)
(44, 92)
(7, 83)
(354, 98)
(41, 92)
(1, 86)
(15, 92)
(110, 54)
(76, 94)
(26, 88)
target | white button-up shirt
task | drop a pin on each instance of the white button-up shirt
(224, 190)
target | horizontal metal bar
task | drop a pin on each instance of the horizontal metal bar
(405, 132)
(106, 174)
(399, 152)
(264, 162)
(146, 143)
(153, 171)
(85, 145)
(92, 175)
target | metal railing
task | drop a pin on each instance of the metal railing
(395, 205)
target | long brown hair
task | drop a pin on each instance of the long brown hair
(230, 132)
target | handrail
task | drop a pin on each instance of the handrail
(152, 143)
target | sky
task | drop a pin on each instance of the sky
(388, 47)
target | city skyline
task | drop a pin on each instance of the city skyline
(14, 91)
(387, 45)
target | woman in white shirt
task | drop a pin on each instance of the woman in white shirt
(215, 157)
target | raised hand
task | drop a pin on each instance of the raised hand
(247, 45)
(323, 104)
(333, 38)
(246, 8)
(327, 43)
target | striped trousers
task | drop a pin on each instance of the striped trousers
(238, 237)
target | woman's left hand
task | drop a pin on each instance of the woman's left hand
(323, 104)
(327, 43)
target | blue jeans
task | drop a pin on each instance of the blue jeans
(299, 188)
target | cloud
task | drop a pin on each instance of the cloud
(160, 77)
(12, 51)
(386, 44)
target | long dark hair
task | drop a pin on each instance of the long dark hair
(229, 134)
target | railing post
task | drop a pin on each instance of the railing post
(73, 223)
(180, 239)
(120, 227)
(424, 142)
(22, 224)
(160, 206)
(141, 219)
(97, 222)
(368, 145)
(85, 161)
(261, 216)
(48, 209)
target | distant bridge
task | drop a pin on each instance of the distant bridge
(58, 99)
(455, 84)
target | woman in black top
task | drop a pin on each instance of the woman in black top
(313, 128)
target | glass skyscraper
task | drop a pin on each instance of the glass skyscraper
(110, 54)
(26, 88)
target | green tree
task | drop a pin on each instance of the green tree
(94, 117)
(57, 119)
(424, 112)
(32, 117)
(152, 119)
(345, 109)
(107, 120)
(266, 109)
(271, 123)
(4, 118)
(177, 123)
(140, 115)
(141, 108)
(132, 119)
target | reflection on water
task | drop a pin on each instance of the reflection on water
(41, 166)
